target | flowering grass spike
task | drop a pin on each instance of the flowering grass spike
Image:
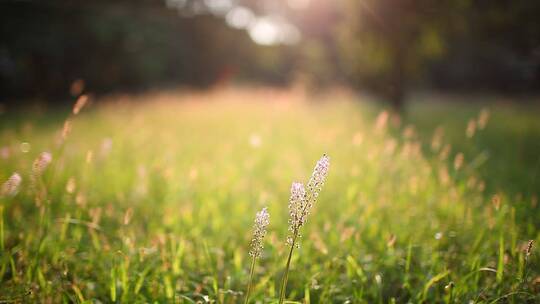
(262, 219)
(11, 186)
(41, 163)
(300, 203)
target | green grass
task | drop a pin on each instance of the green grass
(153, 201)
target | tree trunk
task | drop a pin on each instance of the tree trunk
(397, 79)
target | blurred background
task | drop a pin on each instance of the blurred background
(53, 49)
(138, 138)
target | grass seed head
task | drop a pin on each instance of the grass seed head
(262, 219)
(381, 121)
(458, 161)
(66, 129)
(303, 198)
(437, 138)
(297, 214)
(317, 180)
(483, 118)
(41, 163)
(445, 152)
(11, 186)
(71, 185)
(496, 201)
(529, 248)
(471, 128)
(81, 102)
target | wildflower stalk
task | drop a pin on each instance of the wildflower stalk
(300, 204)
(251, 270)
(38, 169)
(286, 274)
(41, 163)
(2, 228)
(81, 101)
(8, 189)
(527, 255)
(262, 219)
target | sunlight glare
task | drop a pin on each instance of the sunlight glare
(218, 7)
(239, 17)
(264, 31)
(272, 30)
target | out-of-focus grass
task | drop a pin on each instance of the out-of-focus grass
(506, 154)
(152, 198)
(511, 143)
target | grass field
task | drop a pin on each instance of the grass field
(151, 199)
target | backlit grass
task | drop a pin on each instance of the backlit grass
(152, 199)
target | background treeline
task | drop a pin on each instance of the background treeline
(387, 46)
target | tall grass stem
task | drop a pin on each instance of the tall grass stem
(2, 228)
(286, 273)
(251, 270)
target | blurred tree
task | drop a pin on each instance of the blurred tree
(385, 43)
(390, 45)
(496, 45)
(121, 45)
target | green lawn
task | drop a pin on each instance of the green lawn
(151, 199)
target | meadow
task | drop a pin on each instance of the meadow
(152, 199)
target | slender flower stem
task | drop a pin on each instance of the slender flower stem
(262, 219)
(300, 202)
(2, 228)
(286, 274)
(250, 280)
